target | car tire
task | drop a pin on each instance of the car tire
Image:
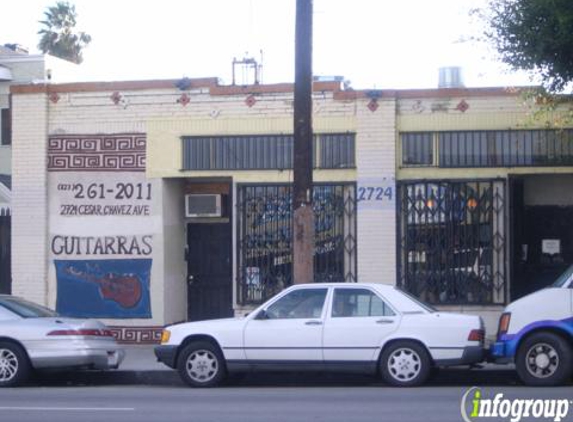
(405, 364)
(14, 365)
(201, 364)
(544, 359)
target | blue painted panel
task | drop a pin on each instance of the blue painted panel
(108, 288)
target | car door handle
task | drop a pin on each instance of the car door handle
(384, 321)
(313, 323)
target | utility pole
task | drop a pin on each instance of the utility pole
(303, 216)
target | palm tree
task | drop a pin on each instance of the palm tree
(58, 37)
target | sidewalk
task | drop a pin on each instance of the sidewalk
(141, 358)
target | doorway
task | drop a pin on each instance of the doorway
(5, 272)
(541, 216)
(209, 271)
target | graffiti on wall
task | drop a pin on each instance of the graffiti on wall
(112, 288)
(102, 225)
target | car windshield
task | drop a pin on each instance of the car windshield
(418, 302)
(563, 278)
(26, 309)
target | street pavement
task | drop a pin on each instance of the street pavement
(144, 390)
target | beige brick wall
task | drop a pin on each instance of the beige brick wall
(158, 113)
(376, 221)
(29, 198)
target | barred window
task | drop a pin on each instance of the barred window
(506, 148)
(452, 241)
(264, 233)
(417, 148)
(264, 152)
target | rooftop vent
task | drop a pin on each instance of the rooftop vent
(451, 77)
(17, 48)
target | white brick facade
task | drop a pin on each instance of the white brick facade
(29, 186)
(158, 112)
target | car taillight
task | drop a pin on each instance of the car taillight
(92, 332)
(503, 324)
(476, 335)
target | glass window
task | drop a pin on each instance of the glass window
(417, 148)
(304, 303)
(26, 309)
(358, 303)
(337, 150)
(6, 126)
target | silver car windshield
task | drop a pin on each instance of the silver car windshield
(563, 278)
(26, 309)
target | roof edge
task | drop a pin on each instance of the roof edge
(216, 89)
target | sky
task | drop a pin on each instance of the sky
(373, 44)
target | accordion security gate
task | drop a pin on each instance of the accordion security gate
(264, 238)
(452, 243)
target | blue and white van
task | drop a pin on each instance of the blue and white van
(536, 333)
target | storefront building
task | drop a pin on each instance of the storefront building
(145, 203)
(484, 199)
(149, 202)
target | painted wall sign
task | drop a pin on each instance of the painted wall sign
(103, 288)
(102, 225)
(376, 193)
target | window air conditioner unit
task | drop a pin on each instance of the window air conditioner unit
(203, 205)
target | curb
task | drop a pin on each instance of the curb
(170, 378)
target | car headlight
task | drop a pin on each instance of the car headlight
(165, 336)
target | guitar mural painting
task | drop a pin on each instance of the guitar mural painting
(113, 288)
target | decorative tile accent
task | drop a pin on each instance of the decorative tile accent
(184, 99)
(137, 335)
(250, 101)
(418, 107)
(462, 106)
(116, 97)
(373, 105)
(118, 152)
(54, 97)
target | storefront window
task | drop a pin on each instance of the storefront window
(265, 238)
(452, 241)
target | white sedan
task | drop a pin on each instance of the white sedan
(34, 337)
(367, 328)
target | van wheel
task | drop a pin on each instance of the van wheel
(201, 364)
(14, 365)
(544, 359)
(405, 364)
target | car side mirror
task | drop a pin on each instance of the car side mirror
(262, 314)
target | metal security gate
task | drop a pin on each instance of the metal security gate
(452, 242)
(265, 241)
(5, 272)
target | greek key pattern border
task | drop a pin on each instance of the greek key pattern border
(137, 335)
(116, 152)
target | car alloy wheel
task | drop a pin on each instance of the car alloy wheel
(201, 364)
(14, 365)
(8, 365)
(405, 363)
(544, 358)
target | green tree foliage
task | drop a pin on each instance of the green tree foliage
(534, 35)
(58, 35)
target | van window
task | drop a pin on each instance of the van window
(563, 278)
